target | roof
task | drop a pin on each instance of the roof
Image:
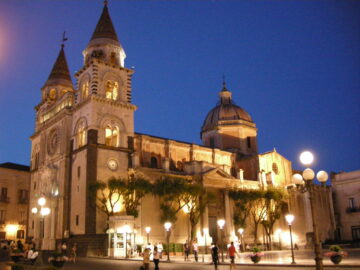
(15, 166)
(60, 71)
(105, 27)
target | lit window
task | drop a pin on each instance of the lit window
(81, 136)
(112, 90)
(112, 135)
(52, 93)
(85, 90)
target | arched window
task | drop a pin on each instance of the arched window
(153, 162)
(112, 136)
(81, 134)
(248, 141)
(180, 166)
(85, 90)
(52, 93)
(112, 90)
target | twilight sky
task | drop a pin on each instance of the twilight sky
(293, 65)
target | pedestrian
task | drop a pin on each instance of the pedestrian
(156, 256)
(231, 253)
(160, 249)
(146, 259)
(73, 253)
(195, 250)
(215, 255)
(20, 245)
(63, 248)
(186, 251)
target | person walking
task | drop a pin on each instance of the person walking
(186, 251)
(231, 253)
(195, 250)
(156, 256)
(215, 255)
(73, 253)
(146, 259)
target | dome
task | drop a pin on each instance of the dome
(225, 110)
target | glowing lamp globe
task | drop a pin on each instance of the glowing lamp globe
(34, 210)
(167, 226)
(297, 179)
(306, 158)
(289, 218)
(45, 211)
(308, 174)
(241, 230)
(147, 229)
(41, 201)
(322, 176)
(221, 223)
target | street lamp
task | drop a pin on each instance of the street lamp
(167, 226)
(289, 219)
(278, 232)
(147, 229)
(302, 186)
(241, 232)
(221, 223)
(42, 212)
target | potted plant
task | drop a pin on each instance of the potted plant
(58, 259)
(16, 255)
(335, 254)
(256, 254)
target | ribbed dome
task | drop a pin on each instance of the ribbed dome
(225, 110)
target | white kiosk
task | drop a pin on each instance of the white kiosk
(122, 236)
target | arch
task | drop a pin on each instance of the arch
(52, 94)
(154, 162)
(113, 124)
(80, 132)
(112, 85)
(84, 86)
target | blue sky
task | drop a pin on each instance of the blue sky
(293, 65)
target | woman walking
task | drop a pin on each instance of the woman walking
(156, 256)
(146, 259)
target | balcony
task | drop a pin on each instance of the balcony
(4, 199)
(23, 200)
(350, 210)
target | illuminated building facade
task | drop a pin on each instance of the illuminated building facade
(14, 200)
(85, 133)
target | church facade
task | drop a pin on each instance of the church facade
(86, 132)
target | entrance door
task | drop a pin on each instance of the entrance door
(213, 228)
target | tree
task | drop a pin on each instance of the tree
(116, 191)
(107, 195)
(275, 203)
(170, 191)
(242, 201)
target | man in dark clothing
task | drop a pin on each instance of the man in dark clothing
(215, 255)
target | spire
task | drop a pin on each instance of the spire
(105, 27)
(60, 71)
(225, 94)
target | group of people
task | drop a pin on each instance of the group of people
(62, 247)
(231, 252)
(155, 254)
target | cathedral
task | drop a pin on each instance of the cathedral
(86, 132)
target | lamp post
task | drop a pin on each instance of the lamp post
(241, 232)
(42, 211)
(278, 232)
(302, 186)
(221, 223)
(205, 231)
(147, 229)
(289, 219)
(167, 226)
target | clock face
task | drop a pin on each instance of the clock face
(112, 164)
